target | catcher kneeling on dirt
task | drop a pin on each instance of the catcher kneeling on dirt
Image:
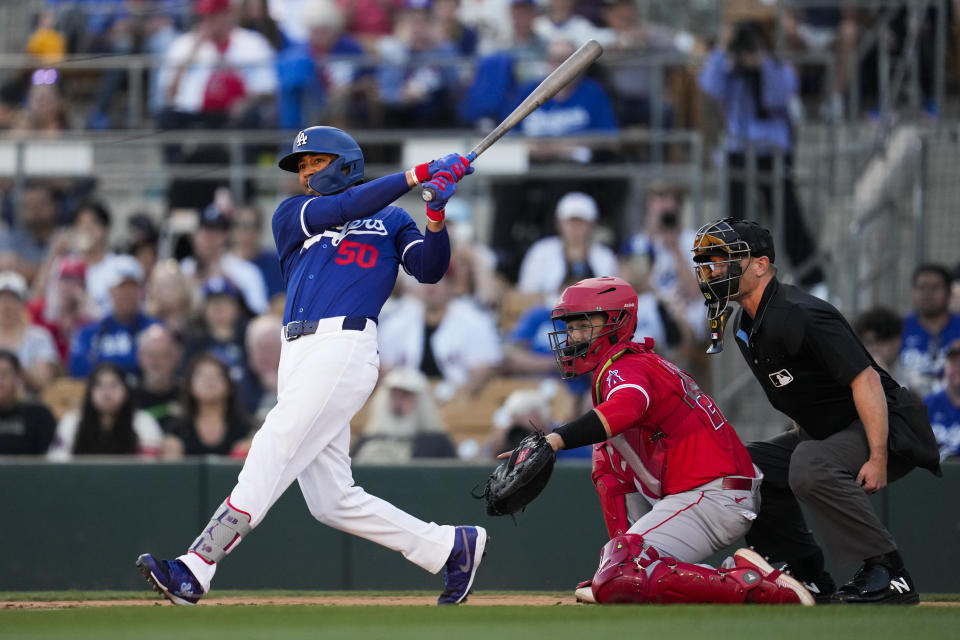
(675, 483)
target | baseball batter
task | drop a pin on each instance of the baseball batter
(675, 482)
(340, 247)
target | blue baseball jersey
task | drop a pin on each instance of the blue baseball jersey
(945, 420)
(340, 254)
(923, 353)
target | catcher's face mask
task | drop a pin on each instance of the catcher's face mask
(718, 252)
(590, 317)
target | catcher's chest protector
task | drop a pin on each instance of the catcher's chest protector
(630, 573)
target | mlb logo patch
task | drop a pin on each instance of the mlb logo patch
(301, 139)
(781, 378)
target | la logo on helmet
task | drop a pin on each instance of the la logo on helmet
(301, 139)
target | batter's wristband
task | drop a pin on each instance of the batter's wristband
(436, 216)
(585, 430)
(421, 173)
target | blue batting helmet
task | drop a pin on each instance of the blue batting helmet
(345, 171)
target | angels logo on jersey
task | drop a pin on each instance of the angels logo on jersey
(781, 378)
(613, 375)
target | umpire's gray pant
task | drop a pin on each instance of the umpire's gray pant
(823, 476)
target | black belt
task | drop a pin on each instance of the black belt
(298, 328)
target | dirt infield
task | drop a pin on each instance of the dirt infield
(340, 601)
(520, 600)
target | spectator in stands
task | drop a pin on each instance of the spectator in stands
(370, 20)
(523, 411)
(142, 239)
(247, 245)
(929, 329)
(32, 344)
(445, 16)
(45, 113)
(516, 57)
(46, 43)
(664, 247)
(210, 259)
(212, 419)
(159, 33)
(403, 424)
(263, 343)
(492, 20)
(881, 331)
(571, 255)
(221, 330)
(559, 19)
(824, 29)
(944, 405)
(472, 263)
(88, 239)
(417, 79)
(754, 89)
(581, 107)
(254, 15)
(24, 247)
(159, 354)
(26, 428)
(170, 297)
(217, 74)
(107, 423)
(444, 337)
(65, 308)
(114, 338)
(313, 89)
(507, 25)
(625, 39)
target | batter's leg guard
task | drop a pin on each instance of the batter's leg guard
(633, 572)
(612, 489)
(227, 527)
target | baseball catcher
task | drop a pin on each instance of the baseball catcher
(675, 482)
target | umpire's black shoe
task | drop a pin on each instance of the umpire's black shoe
(876, 584)
(823, 589)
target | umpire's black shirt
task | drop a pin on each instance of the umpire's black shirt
(805, 355)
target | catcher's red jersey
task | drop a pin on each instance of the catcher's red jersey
(668, 431)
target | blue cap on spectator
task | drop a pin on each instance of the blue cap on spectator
(213, 218)
(532, 3)
(417, 4)
(219, 286)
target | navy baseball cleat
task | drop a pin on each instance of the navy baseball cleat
(468, 549)
(171, 579)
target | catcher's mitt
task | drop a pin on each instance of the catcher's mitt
(517, 481)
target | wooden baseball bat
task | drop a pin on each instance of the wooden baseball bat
(560, 77)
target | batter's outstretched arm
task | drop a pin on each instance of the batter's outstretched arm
(323, 212)
(427, 261)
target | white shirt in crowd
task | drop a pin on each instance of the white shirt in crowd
(248, 53)
(544, 266)
(466, 339)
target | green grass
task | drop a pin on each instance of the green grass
(468, 623)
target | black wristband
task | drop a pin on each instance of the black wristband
(585, 430)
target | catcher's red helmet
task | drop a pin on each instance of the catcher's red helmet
(612, 297)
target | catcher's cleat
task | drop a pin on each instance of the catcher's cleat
(171, 579)
(468, 550)
(750, 559)
(584, 592)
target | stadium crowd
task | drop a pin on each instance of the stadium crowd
(121, 333)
